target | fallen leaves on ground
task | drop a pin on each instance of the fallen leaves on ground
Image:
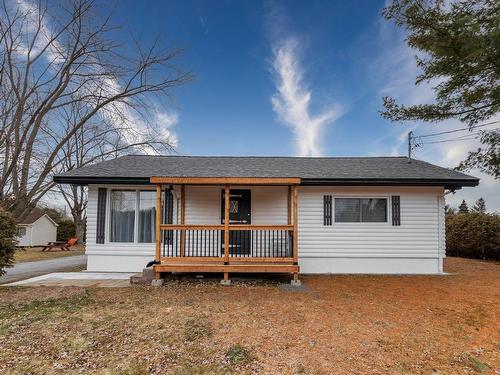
(337, 325)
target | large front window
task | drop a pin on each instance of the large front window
(360, 210)
(123, 204)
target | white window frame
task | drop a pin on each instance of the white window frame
(136, 215)
(370, 223)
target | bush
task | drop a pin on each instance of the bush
(65, 230)
(473, 235)
(8, 240)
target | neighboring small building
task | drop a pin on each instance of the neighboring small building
(37, 229)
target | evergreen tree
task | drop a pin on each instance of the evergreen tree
(448, 209)
(8, 240)
(479, 206)
(463, 208)
(459, 45)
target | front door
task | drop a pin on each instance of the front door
(239, 213)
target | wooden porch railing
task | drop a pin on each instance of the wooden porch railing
(246, 242)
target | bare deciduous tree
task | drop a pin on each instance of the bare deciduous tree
(98, 142)
(70, 96)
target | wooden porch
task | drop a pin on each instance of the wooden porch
(227, 247)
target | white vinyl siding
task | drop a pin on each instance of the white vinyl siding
(417, 236)
(413, 247)
(268, 206)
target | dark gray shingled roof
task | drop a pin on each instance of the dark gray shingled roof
(312, 170)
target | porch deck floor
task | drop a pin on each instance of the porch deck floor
(232, 267)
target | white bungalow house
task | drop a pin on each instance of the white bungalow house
(37, 229)
(266, 214)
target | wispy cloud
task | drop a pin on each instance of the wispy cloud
(292, 101)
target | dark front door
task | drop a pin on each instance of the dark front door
(239, 213)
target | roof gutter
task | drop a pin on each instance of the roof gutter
(86, 180)
(452, 183)
(447, 183)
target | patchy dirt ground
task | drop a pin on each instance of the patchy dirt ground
(339, 325)
(31, 254)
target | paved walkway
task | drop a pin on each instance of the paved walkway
(81, 279)
(27, 270)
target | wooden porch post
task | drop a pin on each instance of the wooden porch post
(227, 196)
(289, 205)
(158, 222)
(295, 224)
(183, 216)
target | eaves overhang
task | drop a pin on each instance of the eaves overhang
(453, 184)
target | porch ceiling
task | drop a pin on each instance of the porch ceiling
(225, 180)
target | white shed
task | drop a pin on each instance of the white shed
(37, 229)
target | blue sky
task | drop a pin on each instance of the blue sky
(291, 78)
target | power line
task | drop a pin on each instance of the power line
(452, 140)
(416, 141)
(419, 142)
(459, 130)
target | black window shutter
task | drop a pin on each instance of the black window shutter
(168, 216)
(396, 210)
(101, 215)
(327, 210)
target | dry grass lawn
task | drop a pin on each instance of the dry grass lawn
(341, 325)
(31, 254)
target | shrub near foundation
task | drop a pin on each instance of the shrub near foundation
(473, 235)
(8, 240)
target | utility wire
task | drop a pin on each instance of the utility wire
(452, 140)
(419, 142)
(459, 130)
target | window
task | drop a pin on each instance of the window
(122, 213)
(360, 210)
(132, 215)
(21, 231)
(147, 216)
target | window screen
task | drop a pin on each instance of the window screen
(356, 210)
(374, 210)
(347, 210)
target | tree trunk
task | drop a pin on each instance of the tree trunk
(79, 228)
